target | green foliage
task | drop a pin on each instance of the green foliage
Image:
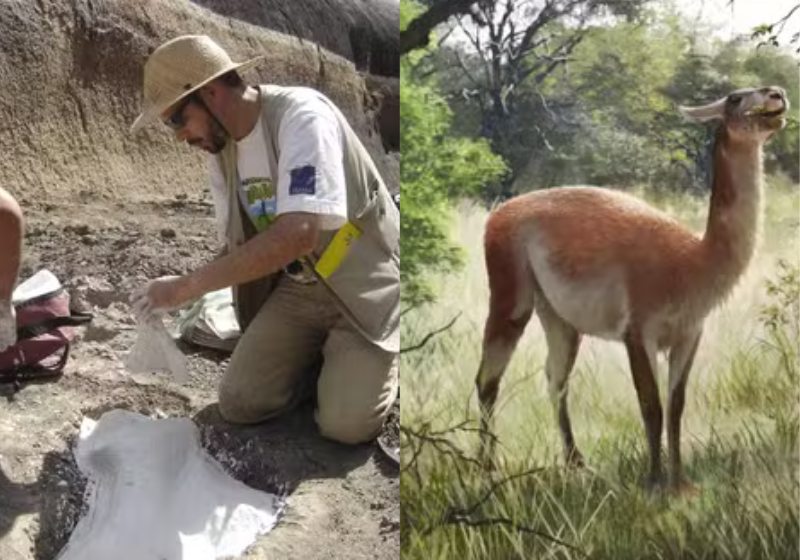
(775, 67)
(764, 378)
(408, 11)
(781, 318)
(783, 312)
(610, 116)
(747, 508)
(739, 438)
(437, 169)
(771, 33)
(629, 81)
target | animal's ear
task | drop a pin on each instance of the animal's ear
(715, 110)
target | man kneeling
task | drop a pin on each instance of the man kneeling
(312, 239)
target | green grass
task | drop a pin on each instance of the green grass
(740, 427)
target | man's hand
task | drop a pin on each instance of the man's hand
(8, 325)
(292, 236)
(161, 294)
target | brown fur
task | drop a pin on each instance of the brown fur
(626, 270)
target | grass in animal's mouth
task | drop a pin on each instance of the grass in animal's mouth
(762, 112)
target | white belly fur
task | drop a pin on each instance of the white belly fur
(596, 306)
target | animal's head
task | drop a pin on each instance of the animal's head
(748, 114)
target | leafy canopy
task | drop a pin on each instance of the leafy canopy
(437, 169)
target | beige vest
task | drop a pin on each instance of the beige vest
(366, 284)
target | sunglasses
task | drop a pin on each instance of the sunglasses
(176, 120)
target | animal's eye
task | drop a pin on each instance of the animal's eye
(734, 99)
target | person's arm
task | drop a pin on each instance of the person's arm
(11, 228)
(11, 235)
(311, 175)
(311, 198)
(221, 252)
(291, 237)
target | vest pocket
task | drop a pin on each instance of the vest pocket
(367, 281)
(380, 219)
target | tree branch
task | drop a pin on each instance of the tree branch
(417, 34)
(492, 521)
(559, 57)
(507, 15)
(542, 18)
(476, 42)
(463, 516)
(784, 19)
(466, 71)
(409, 308)
(430, 335)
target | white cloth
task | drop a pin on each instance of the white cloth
(155, 494)
(310, 177)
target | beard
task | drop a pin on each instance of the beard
(218, 137)
(215, 140)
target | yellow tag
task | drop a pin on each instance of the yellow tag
(337, 249)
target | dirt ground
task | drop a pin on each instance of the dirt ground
(342, 502)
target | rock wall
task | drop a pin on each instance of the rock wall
(365, 32)
(72, 87)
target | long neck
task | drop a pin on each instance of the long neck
(734, 219)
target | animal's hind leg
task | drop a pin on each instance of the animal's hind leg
(500, 339)
(563, 342)
(510, 308)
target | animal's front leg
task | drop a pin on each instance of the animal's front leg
(643, 368)
(681, 358)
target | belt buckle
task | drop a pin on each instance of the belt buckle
(299, 272)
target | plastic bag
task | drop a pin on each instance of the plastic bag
(211, 321)
(155, 350)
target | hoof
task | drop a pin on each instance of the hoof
(575, 460)
(654, 485)
(487, 461)
(683, 488)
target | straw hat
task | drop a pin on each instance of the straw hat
(179, 67)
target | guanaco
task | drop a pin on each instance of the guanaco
(599, 262)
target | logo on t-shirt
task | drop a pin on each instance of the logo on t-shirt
(303, 180)
(261, 204)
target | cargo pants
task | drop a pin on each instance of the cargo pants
(299, 342)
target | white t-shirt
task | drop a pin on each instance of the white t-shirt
(310, 175)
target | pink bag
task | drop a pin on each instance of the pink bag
(45, 328)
